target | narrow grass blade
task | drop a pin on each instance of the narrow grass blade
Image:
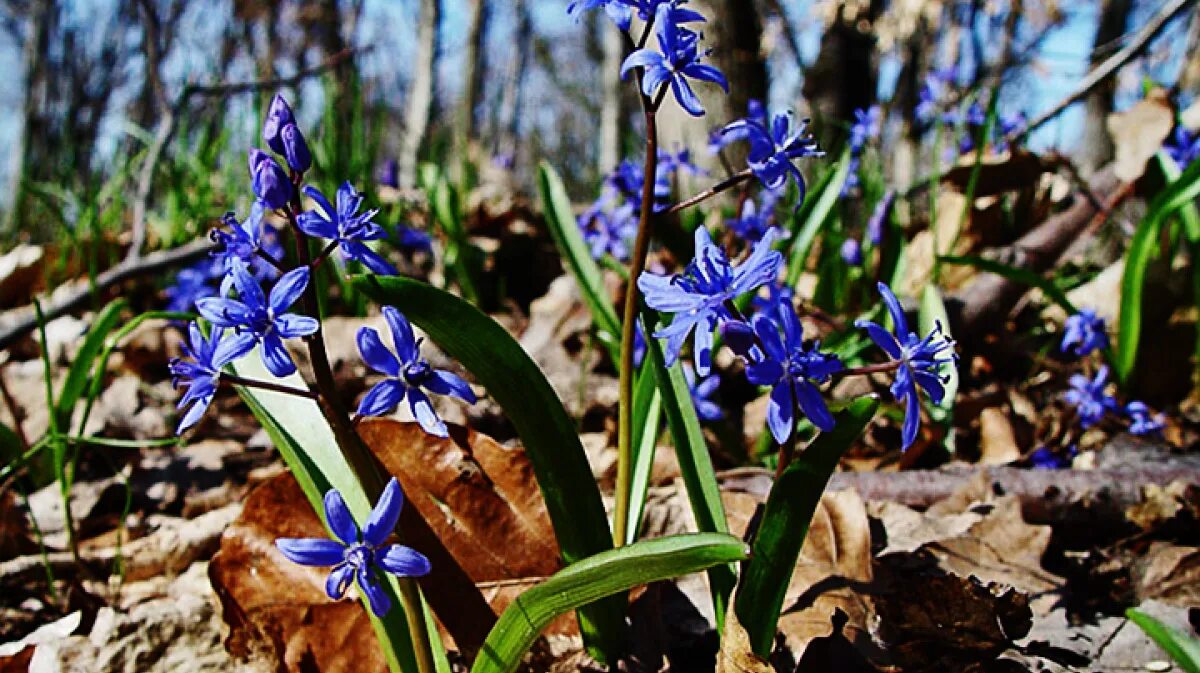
(511, 378)
(785, 520)
(560, 219)
(605, 574)
(803, 237)
(81, 368)
(647, 418)
(1184, 650)
(695, 464)
(932, 314)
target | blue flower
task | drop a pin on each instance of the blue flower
(1083, 333)
(928, 98)
(388, 174)
(295, 148)
(1183, 147)
(263, 316)
(243, 241)
(1142, 421)
(201, 373)
(279, 115)
(778, 294)
(270, 183)
(618, 11)
(610, 233)
(701, 391)
(1089, 399)
(627, 179)
(879, 216)
(407, 374)
(771, 152)
(723, 137)
(678, 162)
(347, 226)
(1045, 459)
(919, 361)
(191, 284)
(356, 555)
(678, 61)
(697, 296)
(867, 125)
(852, 252)
(411, 240)
(753, 224)
(851, 182)
(792, 368)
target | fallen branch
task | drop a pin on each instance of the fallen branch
(73, 298)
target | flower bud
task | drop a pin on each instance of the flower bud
(852, 252)
(388, 174)
(270, 183)
(279, 115)
(295, 149)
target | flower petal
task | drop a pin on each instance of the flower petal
(403, 561)
(894, 308)
(339, 580)
(338, 518)
(813, 405)
(193, 415)
(686, 97)
(276, 357)
(425, 415)
(382, 398)
(768, 337)
(369, 585)
(446, 383)
(293, 325)
(223, 312)
(288, 289)
(231, 348)
(912, 420)
(311, 551)
(249, 292)
(360, 252)
(384, 515)
(881, 337)
(314, 224)
(375, 354)
(402, 334)
(781, 411)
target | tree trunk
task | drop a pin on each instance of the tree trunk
(514, 83)
(34, 55)
(611, 103)
(477, 66)
(844, 77)
(1096, 148)
(420, 95)
(736, 34)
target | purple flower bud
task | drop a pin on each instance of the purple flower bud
(875, 225)
(279, 115)
(852, 252)
(295, 149)
(388, 174)
(270, 182)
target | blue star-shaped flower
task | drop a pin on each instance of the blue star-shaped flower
(1089, 399)
(1142, 421)
(701, 391)
(201, 373)
(723, 137)
(407, 374)
(867, 125)
(191, 284)
(263, 316)
(1183, 147)
(771, 152)
(1083, 333)
(697, 296)
(753, 223)
(918, 358)
(1045, 459)
(344, 224)
(678, 61)
(791, 367)
(618, 11)
(356, 555)
(610, 233)
(678, 162)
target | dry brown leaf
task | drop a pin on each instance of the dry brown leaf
(736, 655)
(1139, 132)
(1160, 504)
(908, 530)
(998, 173)
(1170, 574)
(997, 438)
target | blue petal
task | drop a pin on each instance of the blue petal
(765, 373)
(324, 205)
(686, 97)
(382, 398)
(768, 337)
(402, 334)
(912, 420)
(193, 415)
(403, 561)
(275, 356)
(642, 58)
(375, 354)
(703, 344)
(338, 518)
(739, 336)
(223, 312)
(706, 73)
(314, 224)
(311, 551)
(232, 348)
(446, 383)
(813, 405)
(760, 268)
(881, 337)
(369, 585)
(663, 295)
(249, 292)
(423, 411)
(369, 258)
(288, 289)
(781, 411)
(653, 78)
(291, 325)
(339, 580)
(384, 515)
(893, 305)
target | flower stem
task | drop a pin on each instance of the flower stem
(870, 369)
(235, 380)
(724, 185)
(641, 248)
(786, 450)
(358, 454)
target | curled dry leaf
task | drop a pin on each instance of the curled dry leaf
(736, 655)
(482, 522)
(1139, 132)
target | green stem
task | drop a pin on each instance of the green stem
(641, 248)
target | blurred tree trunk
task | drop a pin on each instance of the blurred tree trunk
(1096, 148)
(612, 102)
(420, 95)
(476, 71)
(844, 77)
(514, 83)
(916, 49)
(736, 35)
(345, 84)
(34, 57)
(1189, 77)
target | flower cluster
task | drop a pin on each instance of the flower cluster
(772, 151)
(1083, 333)
(866, 127)
(677, 59)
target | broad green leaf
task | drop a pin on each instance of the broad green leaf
(81, 367)
(802, 239)
(785, 520)
(647, 417)
(1023, 276)
(514, 381)
(1184, 650)
(612, 572)
(1142, 247)
(298, 429)
(932, 314)
(695, 464)
(560, 219)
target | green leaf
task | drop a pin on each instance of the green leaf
(785, 520)
(514, 381)
(1142, 247)
(1023, 276)
(81, 367)
(1182, 648)
(802, 238)
(1189, 214)
(695, 465)
(298, 429)
(932, 314)
(605, 574)
(560, 219)
(647, 417)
